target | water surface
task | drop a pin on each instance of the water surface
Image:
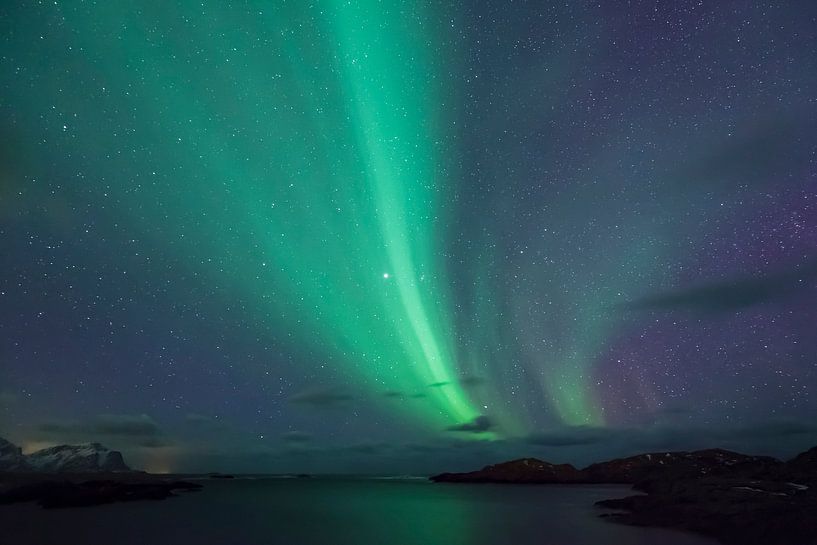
(342, 512)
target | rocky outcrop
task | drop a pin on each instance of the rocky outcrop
(522, 471)
(643, 468)
(735, 498)
(11, 457)
(635, 469)
(743, 500)
(734, 511)
(52, 494)
(803, 468)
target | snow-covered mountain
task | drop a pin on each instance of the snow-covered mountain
(77, 459)
(90, 457)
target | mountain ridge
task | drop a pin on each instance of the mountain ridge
(633, 469)
(81, 458)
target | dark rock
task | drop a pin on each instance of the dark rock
(11, 457)
(803, 468)
(735, 498)
(745, 500)
(53, 494)
(523, 471)
(643, 469)
(734, 511)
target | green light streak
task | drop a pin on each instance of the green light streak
(288, 162)
(399, 163)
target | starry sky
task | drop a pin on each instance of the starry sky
(407, 236)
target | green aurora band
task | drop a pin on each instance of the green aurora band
(296, 162)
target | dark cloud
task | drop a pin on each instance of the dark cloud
(421, 447)
(732, 295)
(774, 437)
(124, 425)
(580, 435)
(296, 437)
(153, 442)
(579, 445)
(472, 381)
(756, 155)
(396, 394)
(369, 447)
(123, 431)
(200, 423)
(479, 424)
(438, 384)
(197, 419)
(777, 428)
(322, 397)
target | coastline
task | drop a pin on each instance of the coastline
(61, 490)
(734, 498)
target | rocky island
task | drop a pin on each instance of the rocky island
(733, 497)
(76, 476)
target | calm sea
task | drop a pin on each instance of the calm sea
(340, 512)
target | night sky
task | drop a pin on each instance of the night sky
(407, 236)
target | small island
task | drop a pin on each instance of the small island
(735, 498)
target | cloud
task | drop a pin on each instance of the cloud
(203, 422)
(321, 397)
(571, 436)
(396, 394)
(438, 384)
(153, 442)
(479, 424)
(139, 430)
(296, 437)
(776, 428)
(368, 447)
(124, 425)
(471, 381)
(769, 436)
(437, 452)
(754, 156)
(733, 294)
(196, 418)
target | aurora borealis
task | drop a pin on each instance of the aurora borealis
(387, 227)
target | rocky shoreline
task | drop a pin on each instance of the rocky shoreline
(78, 476)
(732, 497)
(733, 511)
(82, 490)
